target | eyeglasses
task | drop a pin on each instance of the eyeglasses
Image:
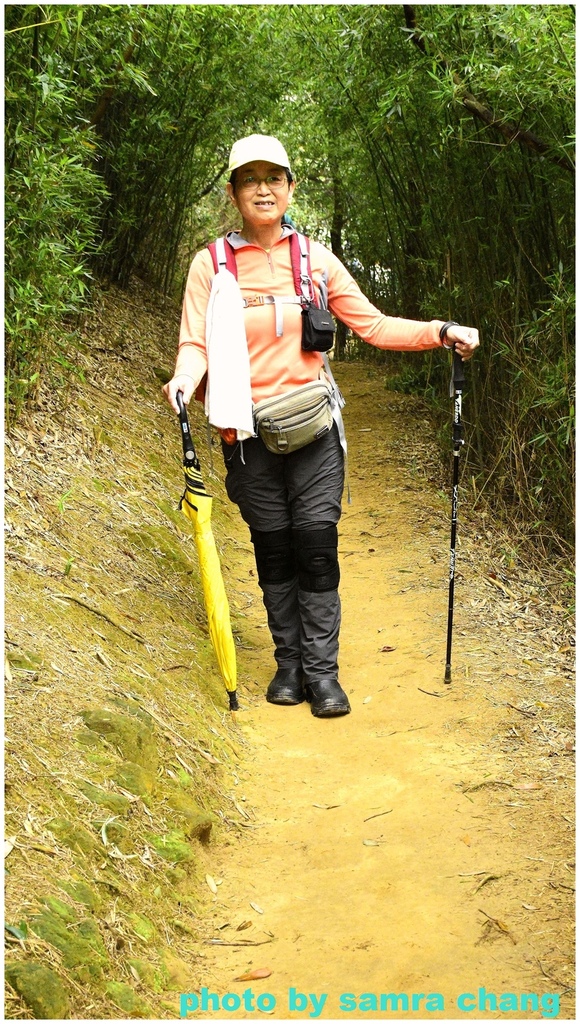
(250, 182)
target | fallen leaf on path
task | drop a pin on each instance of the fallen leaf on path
(255, 907)
(522, 711)
(42, 849)
(172, 739)
(325, 807)
(379, 814)
(258, 972)
(240, 942)
(245, 924)
(488, 782)
(386, 649)
(208, 757)
(367, 700)
(211, 883)
(484, 881)
(494, 921)
(501, 586)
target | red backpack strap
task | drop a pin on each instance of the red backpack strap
(223, 256)
(301, 269)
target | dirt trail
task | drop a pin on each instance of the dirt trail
(402, 849)
(421, 845)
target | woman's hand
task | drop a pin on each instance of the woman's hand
(181, 382)
(465, 339)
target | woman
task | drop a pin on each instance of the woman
(291, 502)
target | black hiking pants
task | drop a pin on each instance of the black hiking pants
(292, 504)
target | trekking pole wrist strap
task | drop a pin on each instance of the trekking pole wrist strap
(443, 332)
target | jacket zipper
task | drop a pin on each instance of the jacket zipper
(270, 264)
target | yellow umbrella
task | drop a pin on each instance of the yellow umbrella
(196, 505)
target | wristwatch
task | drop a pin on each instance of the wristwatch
(443, 332)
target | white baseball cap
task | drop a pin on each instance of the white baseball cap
(257, 147)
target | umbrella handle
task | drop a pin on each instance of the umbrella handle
(188, 445)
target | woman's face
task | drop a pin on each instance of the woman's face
(262, 193)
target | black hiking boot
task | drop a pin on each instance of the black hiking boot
(286, 686)
(327, 698)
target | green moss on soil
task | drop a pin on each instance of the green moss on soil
(114, 831)
(25, 660)
(132, 707)
(75, 837)
(179, 973)
(40, 988)
(198, 823)
(184, 926)
(176, 516)
(126, 999)
(86, 738)
(172, 847)
(156, 979)
(135, 779)
(113, 801)
(162, 542)
(176, 875)
(81, 893)
(111, 881)
(62, 910)
(184, 778)
(142, 927)
(82, 948)
(133, 739)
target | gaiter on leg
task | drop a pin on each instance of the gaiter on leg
(318, 599)
(279, 585)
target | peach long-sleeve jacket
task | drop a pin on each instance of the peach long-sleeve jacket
(279, 364)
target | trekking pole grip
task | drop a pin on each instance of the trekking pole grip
(458, 372)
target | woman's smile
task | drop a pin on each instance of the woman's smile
(261, 194)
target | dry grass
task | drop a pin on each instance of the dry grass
(91, 511)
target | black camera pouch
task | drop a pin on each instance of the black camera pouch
(318, 329)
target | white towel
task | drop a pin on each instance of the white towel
(228, 398)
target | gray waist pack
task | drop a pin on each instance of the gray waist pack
(292, 420)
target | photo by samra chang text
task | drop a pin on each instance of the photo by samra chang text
(311, 1005)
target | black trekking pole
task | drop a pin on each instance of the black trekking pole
(455, 391)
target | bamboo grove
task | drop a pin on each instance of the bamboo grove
(433, 147)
